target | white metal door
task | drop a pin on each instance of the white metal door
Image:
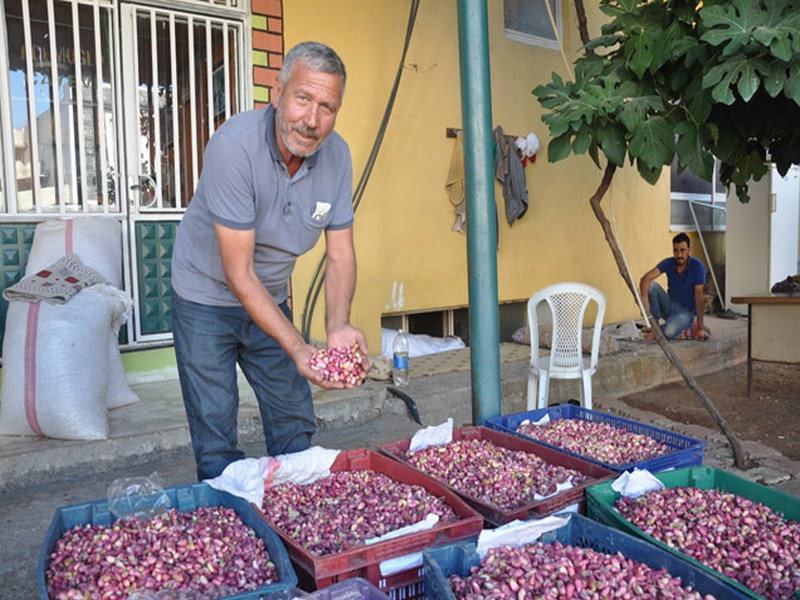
(182, 77)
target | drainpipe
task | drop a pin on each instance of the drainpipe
(476, 110)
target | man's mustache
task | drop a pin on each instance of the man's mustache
(306, 131)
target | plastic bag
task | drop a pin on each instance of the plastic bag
(140, 497)
(220, 592)
(420, 344)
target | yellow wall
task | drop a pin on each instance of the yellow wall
(403, 225)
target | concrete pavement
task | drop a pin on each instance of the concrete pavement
(37, 476)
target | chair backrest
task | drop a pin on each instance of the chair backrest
(568, 302)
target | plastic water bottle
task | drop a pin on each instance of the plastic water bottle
(400, 362)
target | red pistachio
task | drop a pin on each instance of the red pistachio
(345, 364)
(742, 539)
(205, 551)
(346, 508)
(599, 441)
(556, 570)
(499, 476)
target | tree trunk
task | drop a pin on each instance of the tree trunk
(740, 460)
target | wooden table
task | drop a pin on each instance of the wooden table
(773, 329)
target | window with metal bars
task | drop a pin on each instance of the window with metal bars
(60, 113)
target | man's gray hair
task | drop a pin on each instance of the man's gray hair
(317, 57)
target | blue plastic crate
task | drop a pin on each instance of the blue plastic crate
(185, 499)
(458, 558)
(683, 451)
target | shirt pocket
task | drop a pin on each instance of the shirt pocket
(319, 216)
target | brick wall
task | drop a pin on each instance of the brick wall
(267, 22)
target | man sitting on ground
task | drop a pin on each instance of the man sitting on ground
(684, 302)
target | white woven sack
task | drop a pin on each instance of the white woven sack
(119, 392)
(56, 366)
(96, 240)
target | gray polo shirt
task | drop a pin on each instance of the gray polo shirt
(244, 185)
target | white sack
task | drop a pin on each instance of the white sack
(119, 393)
(420, 344)
(96, 240)
(56, 365)
(608, 343)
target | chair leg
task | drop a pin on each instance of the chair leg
(532, 389)
(586, 391)
(544, 389)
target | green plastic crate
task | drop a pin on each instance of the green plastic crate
(600, 500)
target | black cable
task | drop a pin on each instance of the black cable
(409, 402)
(319, 275)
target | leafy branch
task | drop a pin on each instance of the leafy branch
(671, 79)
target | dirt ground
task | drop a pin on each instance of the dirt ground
(770, 416)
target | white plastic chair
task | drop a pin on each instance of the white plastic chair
(568, 303)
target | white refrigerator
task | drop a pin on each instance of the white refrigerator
(761, 238)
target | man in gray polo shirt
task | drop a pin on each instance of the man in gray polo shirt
(273, 181)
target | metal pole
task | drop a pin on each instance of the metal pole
(720, 295)
(476, 110)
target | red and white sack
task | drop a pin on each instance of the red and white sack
(56, 365)
(97, 240)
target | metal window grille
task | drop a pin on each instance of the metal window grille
(187, 74)
(63, 152)
(58, 77)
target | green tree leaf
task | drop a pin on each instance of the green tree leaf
(559, 148)
(673, 78)
(649, 173)
(729, 25)
(792, 86)
(653, 142)
(635, 109)
(739, 72)
(640, 54)
(582, 141)
(775, 80)
(691, 151)
(611, 140)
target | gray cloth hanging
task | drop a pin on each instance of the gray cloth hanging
(510, 173)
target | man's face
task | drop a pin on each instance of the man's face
(306, 110)
(681, 252)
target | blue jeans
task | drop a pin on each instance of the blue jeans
(676, 316)
(209, 342)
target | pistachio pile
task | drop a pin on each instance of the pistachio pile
(346, 508)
